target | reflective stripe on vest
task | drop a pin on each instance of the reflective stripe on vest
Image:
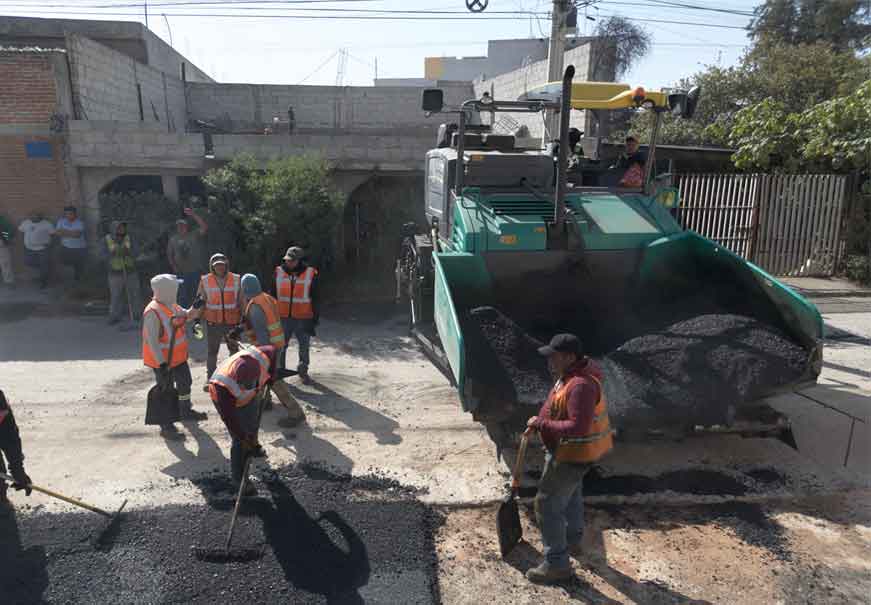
(224, 376)
(222, 303)
(598, 440)
(294, 293)
(117, 262)
(180, 348)
(269, 307)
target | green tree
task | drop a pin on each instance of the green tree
(834, 135)
(289, 202)
(845, 24)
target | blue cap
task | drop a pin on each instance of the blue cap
(251, 285)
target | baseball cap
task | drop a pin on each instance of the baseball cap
(294, 253)
(563, 343)
(217, 258)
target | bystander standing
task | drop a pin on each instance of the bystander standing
(37, 244)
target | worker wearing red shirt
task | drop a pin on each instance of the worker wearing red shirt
(574, 426)
(235, 388)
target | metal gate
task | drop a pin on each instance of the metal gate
(788, 224)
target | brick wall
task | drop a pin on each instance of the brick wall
(27, 92)
(105, 86)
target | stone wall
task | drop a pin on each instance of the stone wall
(251, 107)
(107, 85)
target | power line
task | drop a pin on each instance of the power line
(318, 68)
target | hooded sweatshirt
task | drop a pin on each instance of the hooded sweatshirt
(248, 371)
(580, 405)
(256, 317)
(165, 289)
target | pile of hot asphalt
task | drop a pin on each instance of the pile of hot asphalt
(325, 538)
(692, 370)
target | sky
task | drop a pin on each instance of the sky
(301, 45)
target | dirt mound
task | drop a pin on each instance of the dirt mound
(325, 538)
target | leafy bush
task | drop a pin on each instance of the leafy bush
(859, 269)
(263, 212)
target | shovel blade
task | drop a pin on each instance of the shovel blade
(508, 526)
(162, 406)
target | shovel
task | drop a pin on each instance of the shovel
(508, 525)
(113, 517)
(162, 405)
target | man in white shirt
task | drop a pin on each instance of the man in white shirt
(74, 249)
(37, 244)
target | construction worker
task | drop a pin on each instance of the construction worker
(296, 292)
(122, 273)
(10, 446)
(574, 427)
(160, 318)
(236, 388)
(222, 291)
(263, 327)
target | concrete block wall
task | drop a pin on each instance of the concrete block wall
(95, 143)
(105, 87)
(248, 107)
(348, 151)
(511, 85)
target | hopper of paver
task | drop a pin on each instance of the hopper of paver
(689, 335)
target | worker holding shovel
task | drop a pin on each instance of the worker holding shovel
(573, 424)
(10, 446)
(237, 387)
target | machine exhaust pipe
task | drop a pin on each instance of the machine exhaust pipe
(563, 155)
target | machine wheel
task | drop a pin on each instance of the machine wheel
(414, 278)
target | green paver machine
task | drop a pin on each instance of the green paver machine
(517, 229)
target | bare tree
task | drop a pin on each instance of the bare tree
(618, 46)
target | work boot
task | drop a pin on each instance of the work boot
(304, 377)
(547, 574)
(206, 387)
(193, 415)
(171, 433)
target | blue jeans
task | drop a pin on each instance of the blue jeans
(559, 508)
(187, 291)
(301, 328)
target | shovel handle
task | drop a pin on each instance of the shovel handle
(73, 501)
(518, 465)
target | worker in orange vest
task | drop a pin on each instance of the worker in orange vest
(574, 426)
(297, 295)
(262, 325)
(161, 317)
(235, 389)
(222, 291)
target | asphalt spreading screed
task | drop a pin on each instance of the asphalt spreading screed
(326, 538)
(691, 371)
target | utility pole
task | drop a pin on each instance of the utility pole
(146, 14)
(555, 55)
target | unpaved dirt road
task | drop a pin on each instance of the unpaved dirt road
(720, 520)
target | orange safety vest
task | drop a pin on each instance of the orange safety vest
(591, 446)
(269, 306)
(294, 293)
(222, 302)
(225, 376)
(180, 348)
